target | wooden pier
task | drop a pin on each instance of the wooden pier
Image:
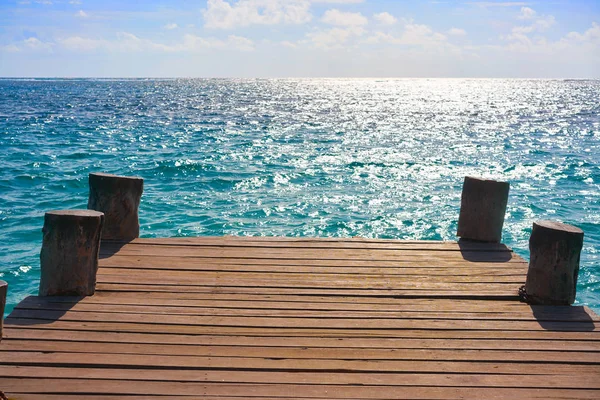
(281, 318)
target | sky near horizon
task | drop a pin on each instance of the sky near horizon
(300, 38)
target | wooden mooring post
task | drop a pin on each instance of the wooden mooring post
(555, 250)
(3, 290)
(69, 256)
(482, 209)
(118, 197)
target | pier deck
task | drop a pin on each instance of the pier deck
(254, 318)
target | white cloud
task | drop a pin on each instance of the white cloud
(128, 42)
(11, 48)
(334, 37)
(78, 43)
(544, 22)
(36, 44)
(592, 35)
(340, 18)
(385, 18)
(170, 27)
(75, 2)
(456, 32)
(574, 43)
(221, 14)
(527, 13)
(538, 23)
(288, 44)
(413, 35)
(82, 14)
(240, 43)
(29, 44)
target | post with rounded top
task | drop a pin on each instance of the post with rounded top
(3, 289)
(69, 256)
(555, 249)
(482, 209)
(118, 197)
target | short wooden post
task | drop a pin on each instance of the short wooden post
(3, 289)
(118, 197)
(482, 209)
(554, 250)
(69, 256)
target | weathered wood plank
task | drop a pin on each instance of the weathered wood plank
(326, 282)
(293, 253)
(29, 385)
(413, 272)
(331, 378)
(318, 243)
(287, 364)
(541, 334)
(301, 318)
(304, 310)
(334, 278)
(305, 353)
(459, 342)
(187, 262)
(308, 322)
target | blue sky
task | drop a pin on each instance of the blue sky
(300, 38)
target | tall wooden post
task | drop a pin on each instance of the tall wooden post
(69, 256)
(3, 290)
(118, 197)
(482, 209)
(555, 249)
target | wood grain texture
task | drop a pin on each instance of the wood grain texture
(286, 318)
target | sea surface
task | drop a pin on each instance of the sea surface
(377, 158)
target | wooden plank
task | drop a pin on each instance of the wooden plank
(308, 322)
(183, 300)
(543, 313)
(412, 272)
(29, 385)
(492, 343)
(295, 318)
(343, 243)
(254, 377)
(309, 254)
(326, 282)
(226, 331)
(299, 352)
(356, 304)
(186, 262)
(283, 364)
(457, 292)
(336, 278)
(381, 287)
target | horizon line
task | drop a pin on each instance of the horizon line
(293, 77)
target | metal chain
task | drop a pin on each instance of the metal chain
(523, 295)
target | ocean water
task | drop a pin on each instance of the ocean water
(377, 158)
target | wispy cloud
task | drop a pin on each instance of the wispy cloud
(334, 37)
(456, 32)
(128, 42)
(221, 14)
(170, 27)
(340, 18)
(385, 18)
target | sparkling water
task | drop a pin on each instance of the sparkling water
(374, 158)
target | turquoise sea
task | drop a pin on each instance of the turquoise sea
(380, 158)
